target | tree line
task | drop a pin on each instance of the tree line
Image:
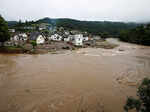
(95, 27)
(4, 33)
(138, 35)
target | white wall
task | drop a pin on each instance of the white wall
(40, 39)
(78, 40)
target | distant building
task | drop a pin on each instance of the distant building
(85, 39)
(78, 40)
(43, 26)
(11, 30)
(8, 43)
(38, 37)
(15, 38)
(29, 28)
(55, 37)
(68, 38)
(23, 36)
(67, 33)
(96, 37)
(19, 37)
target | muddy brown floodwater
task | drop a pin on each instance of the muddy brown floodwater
(93, 80)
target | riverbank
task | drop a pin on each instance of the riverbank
(54, 47)
(11, 49)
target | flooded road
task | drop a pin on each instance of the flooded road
(89, 79)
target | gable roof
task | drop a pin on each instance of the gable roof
(34, 35)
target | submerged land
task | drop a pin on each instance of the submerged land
(88, 79)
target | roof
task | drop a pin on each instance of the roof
(34, 35)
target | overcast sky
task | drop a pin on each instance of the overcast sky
(99, 10)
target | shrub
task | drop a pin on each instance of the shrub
(33, 43)
(142, 104)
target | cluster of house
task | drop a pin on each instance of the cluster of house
(40, 38)
(77, 39)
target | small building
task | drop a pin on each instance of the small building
(42, 26)
(29, 28)
(23, 36)
(68, 38)
(78, 40)
(19, 37)
(14, 38)
(96, 37)
(66, 32)
(85, 39)
(56, 37)
(8, 43)
(11, 30)
(38, 37)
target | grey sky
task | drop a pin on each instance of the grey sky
(99, 10)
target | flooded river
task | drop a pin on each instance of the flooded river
(87, 80)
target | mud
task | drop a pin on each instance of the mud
(89, 79)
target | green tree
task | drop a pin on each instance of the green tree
(33, 43)
(4, 33)
(139, 35)
(104, 35)
(142, 104)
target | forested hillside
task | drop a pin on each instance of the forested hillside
(139, 35)
(95, 27)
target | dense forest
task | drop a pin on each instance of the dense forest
(95, 27)
(138, 35)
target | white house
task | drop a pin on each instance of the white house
(39, 38)
(67, 33)
(42, 26)
(11, 30)
(85, 38)
(23, 36)
(19, 37)
(78, 40)
(56, 37)
(29, 28)
(96, 37)
(15, 38)
(69, 38)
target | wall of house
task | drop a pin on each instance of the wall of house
(56, 37)
(78, 40)
(40, 39)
